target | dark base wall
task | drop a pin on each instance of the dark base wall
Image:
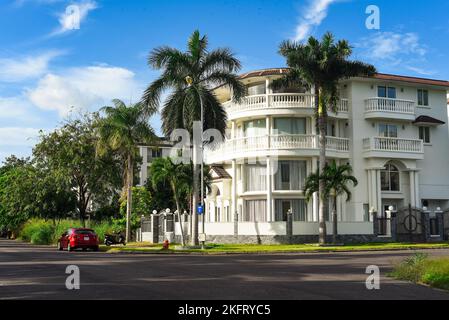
(347, 239)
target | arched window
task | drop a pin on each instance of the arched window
(390, 178)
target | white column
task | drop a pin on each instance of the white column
(268, 129)
(234, 189)
(269, 192)
(417, 193)
(233, 130)
(412, 189)
(369, 189)
(315, 195)
(379, 192)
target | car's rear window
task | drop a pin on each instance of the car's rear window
(84, 232)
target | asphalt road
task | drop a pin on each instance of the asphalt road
(30, 272)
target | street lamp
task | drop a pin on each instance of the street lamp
(189, 81)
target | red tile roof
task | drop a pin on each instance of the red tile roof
(380, 76)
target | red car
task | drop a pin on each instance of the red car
(77, 238)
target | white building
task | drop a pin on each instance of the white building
(391, 129)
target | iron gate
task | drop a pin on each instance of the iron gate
(409, 225)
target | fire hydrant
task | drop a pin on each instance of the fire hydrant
(166, 245)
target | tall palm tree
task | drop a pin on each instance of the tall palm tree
(122, 130)
(164, 170)
(205, 70)
(336, 179)
(320, 65)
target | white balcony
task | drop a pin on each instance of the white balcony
(385, 108)
(395, 148)
(275, 146)
(278, 104)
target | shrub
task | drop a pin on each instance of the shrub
(43, 235)
(411, 269)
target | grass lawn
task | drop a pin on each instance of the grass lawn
(245, 248)
(421, 269)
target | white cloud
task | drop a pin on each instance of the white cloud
(26, 67)
(84, 88)
(71, 20)
(18, 137)
(313, 15)
(393, 46)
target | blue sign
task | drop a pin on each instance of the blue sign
(200, 209)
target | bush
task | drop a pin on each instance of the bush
(420, 269)
(42, 232)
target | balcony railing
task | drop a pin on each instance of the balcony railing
(278, 101)
(275, 143)
(390, 106)
(393, 145)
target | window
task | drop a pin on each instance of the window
(423, 97)
(388, 131)
(256, 177)
(424, 134)
(257, 89)
(290, 125)
(298, 207)
(389, 178)
(255, 128)
(386, 92)
(290, 175)
(255, 211)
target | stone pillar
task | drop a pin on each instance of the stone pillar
(440, 223)
(393, 225)
(426, 225)
(290, 226)
(155, 227)
(375, 218)
(417, 193)
(236, 224)
(378, 192)
(269, 192)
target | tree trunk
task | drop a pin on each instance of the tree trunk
(129, 197)
(322, 142)
(194, 219)
(335, 221)
(178, 209)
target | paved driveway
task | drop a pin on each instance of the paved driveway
(29, 272)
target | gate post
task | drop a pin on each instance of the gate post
(440, 222)
(375, 222)
(155, 228)
(169, 226)
(426, 224)
(290, 226)
(394, 225)
(236, 225)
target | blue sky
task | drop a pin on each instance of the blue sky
(46, 66)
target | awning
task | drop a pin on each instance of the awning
(428, 121)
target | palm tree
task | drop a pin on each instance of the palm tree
(164, 170)
(191, 77)
(121, 130)
(321, 65)
(336, 179)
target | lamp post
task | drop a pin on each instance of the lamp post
(189, 81)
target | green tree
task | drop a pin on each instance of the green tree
(336, 179)
(321, 65)
(205, 70)
(164, 170)
(69, 154)
(122, 130)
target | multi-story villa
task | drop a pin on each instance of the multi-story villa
(391, 129)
